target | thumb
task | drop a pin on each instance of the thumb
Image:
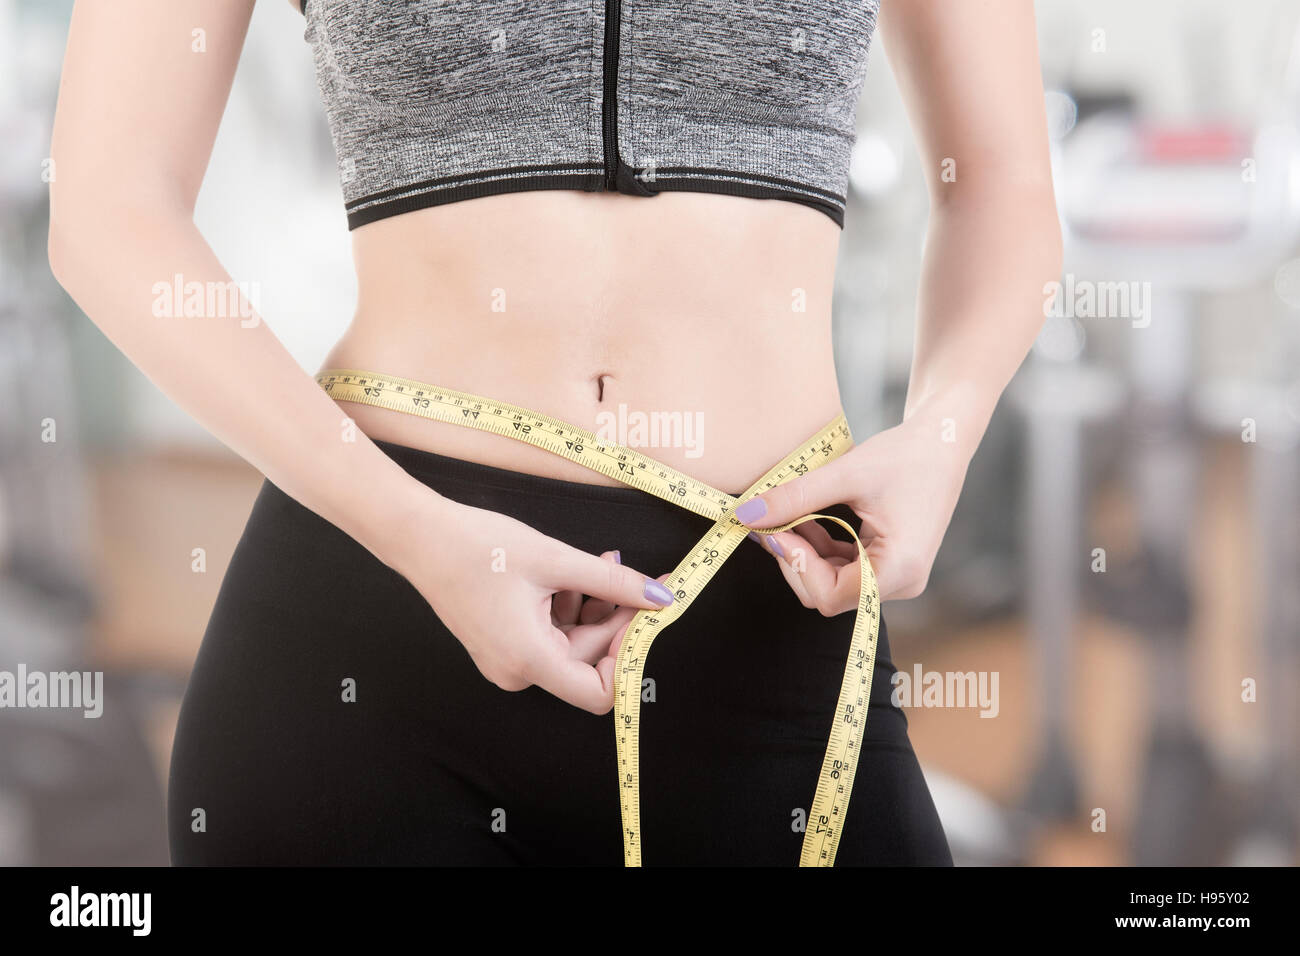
(820, 488)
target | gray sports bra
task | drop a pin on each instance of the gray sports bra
(435, 101)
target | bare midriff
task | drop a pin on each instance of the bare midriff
(693, 327)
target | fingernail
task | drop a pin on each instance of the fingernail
(751, 510)
(656, 592)
(753, 536)
(618, 557)
(775, 546)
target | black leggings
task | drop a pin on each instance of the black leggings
(432, 764)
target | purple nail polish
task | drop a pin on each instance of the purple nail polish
(775, 545)
(618, 557)
(656, 592)
(751, 510)
(753, 536)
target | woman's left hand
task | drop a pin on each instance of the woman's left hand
(903, 483)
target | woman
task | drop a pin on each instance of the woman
(586, 210)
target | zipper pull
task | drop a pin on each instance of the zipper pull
(627, 180)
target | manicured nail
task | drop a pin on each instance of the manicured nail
(654, 591)
(618, 557)
(753, 536)
(751, 510)
(775, 546)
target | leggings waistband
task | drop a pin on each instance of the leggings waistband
(443, 469)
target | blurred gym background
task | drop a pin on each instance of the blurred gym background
(1124, 557)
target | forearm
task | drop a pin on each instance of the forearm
(988, 255)
(229, 371)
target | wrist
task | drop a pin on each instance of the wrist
(396, 518)
(958, 413)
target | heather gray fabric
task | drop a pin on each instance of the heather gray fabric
(434, 101)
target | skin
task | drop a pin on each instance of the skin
(680, 303)
(993, 242)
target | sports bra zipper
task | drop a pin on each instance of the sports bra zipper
(609, 102)
(619, 176)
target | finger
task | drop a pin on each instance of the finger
(768, 542)
(797, 548)
(570, 568)
(617, 642)
(821, 539)
(892, 579)
(795, 580)
(565, 606)
(828, 485)
(828, 585)
(620, 621)
(607, 666)
(591, 642)
(832, 588)
(573, 681)
(597, 609)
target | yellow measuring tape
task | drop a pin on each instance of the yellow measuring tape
(835, 781)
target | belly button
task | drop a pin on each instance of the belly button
(600, 386)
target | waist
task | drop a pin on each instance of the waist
(716, 379)
(724, 423)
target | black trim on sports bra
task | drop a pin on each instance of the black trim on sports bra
(438, 101)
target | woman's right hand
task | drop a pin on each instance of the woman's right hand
(514, 598)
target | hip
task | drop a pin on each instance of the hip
(327, 689)
(329, 600)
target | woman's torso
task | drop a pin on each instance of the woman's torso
(708, 315)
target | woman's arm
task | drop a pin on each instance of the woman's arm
(142, 94)
(139, 104)
(970, 79)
